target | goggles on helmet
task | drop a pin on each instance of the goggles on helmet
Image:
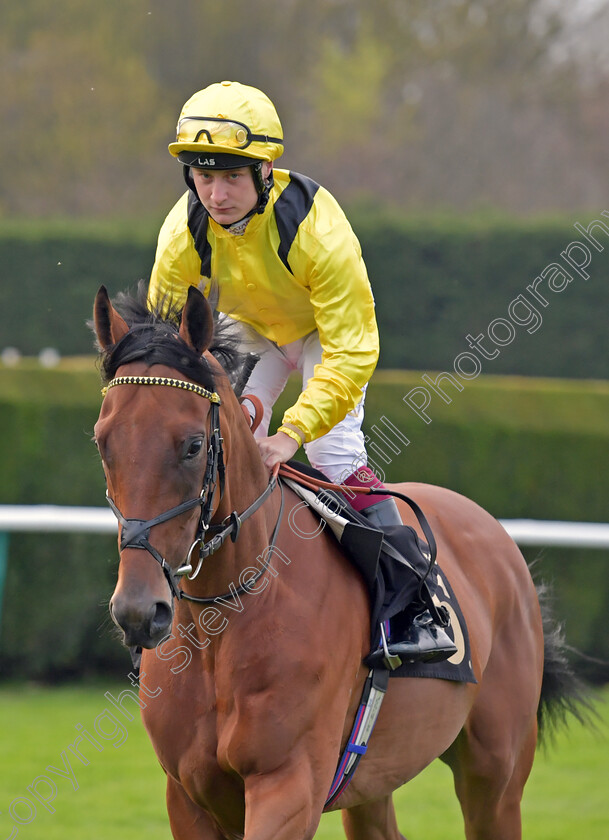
(218, 131)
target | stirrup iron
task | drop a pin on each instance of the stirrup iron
(392, 662)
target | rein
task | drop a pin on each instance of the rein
(135, 532)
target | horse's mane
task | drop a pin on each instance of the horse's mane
(154, 339)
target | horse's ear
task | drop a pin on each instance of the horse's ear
(109, 326)
(197, 327)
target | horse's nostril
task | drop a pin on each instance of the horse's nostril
(161, 618)
(142, 623)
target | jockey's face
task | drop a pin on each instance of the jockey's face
(227, 194)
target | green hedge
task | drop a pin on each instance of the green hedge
(51, 273)
(54, 620)
(438, 280)
(519, 447)
(435, 281)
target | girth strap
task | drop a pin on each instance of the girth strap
(373, 695)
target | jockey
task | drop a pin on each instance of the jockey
(288, 266)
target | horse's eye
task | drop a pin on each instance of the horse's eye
(194, 448)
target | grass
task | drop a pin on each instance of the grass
(120, 792)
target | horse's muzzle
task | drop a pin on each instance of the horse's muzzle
(142, 625)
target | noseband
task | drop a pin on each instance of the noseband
(135, 532)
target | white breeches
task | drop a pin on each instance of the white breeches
(339, 452)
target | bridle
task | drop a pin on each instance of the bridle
(135, 532)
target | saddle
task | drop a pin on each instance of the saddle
(397, 566)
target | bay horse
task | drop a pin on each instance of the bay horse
(251, 672)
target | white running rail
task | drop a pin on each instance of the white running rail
(53, 518)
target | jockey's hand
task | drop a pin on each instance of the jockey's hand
(276, 449)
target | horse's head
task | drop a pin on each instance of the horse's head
(159, 441)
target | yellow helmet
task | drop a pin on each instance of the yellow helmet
(224, 123)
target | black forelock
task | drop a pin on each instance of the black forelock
(153, 338)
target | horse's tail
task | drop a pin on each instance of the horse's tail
(563, 693)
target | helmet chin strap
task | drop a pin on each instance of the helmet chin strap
(263, 188)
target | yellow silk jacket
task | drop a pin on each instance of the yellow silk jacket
(297, 268)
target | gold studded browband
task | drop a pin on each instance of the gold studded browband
(212, 396)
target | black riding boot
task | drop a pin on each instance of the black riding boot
(422, 639)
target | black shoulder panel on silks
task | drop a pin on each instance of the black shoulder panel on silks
(197, 225)
(291, 208)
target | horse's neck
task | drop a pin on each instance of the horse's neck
(246, 477)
